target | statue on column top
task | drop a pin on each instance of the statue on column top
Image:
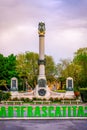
(41, 28)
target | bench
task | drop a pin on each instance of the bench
(42, 102)
(71, 101)
(12, 102)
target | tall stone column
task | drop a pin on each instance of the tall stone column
(41, 61)
(41, 90)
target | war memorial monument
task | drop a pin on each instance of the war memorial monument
(42, 90)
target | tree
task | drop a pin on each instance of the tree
(3, 83)
(67, 68)
(10, 66)
(2, 67)
(7, 68)
(80, 59)
(73, 70)
(64, 63)
(50, 68)
(27, 68)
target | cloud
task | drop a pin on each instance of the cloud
(65, 26)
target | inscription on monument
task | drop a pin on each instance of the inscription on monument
(69, 84)
(42, 83)
(14, 84)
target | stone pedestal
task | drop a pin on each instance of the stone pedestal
(69, 95)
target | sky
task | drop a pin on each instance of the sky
(65, 21)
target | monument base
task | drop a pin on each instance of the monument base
(69, 95)
(49, 94)
(14, 89)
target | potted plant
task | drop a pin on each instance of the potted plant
(76, 92)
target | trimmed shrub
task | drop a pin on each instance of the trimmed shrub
(44, 99)
(27, 100)
(34, 98)
(51, 99)
(22, 99)
(4, 95)
(60, 91)
(15, 99)
(56, 99)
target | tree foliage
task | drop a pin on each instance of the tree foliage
(27, 68)
(50, 68)
(77, 69)
(80, 59)
(7, 69)
(61, 66)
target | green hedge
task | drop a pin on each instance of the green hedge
(60, 91)
(82, 89)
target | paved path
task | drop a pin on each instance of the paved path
(43, 125)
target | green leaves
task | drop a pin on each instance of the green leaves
(81, 60)
(27, 67)
(7, 68)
